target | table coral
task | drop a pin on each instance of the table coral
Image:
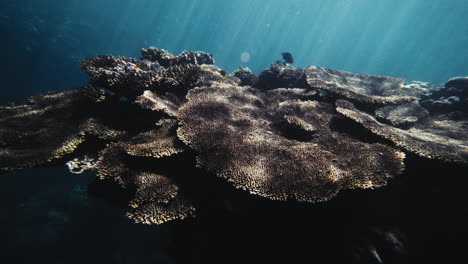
(156, 197)
(288, 134)
(369, 89)
(47, 127)
(431, 137)
(282, 149)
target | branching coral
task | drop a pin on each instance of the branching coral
(166, 59)
(158, 70)
(130, 77)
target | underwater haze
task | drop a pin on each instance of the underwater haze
(49, 215)
(44, 40)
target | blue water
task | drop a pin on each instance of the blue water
(44, 40)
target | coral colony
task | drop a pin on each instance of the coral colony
(294, 134)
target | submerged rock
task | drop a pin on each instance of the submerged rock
(281, 75)
(245, 75)
(457, 82)
(451, 99)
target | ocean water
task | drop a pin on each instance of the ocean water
(43, 42)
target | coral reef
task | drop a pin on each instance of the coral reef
(157, 143)
(156, 199)
(370, 89)
(130, 77)
(169, 95)
(166, 59)
(278, 147)
(245, 75)
(433, 138)
(163, 126)
(261, 134)
(47, 127)
(281, 75)
(451, 99)
(414, 88)
(402, 115)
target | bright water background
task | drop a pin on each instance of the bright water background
(43, 41)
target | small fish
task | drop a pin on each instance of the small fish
(287, 57)
(137, 66)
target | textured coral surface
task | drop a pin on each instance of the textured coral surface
(276, 146)
(432, 138)
(175, 137)
(163, 126)
(47, 127)
(370, 89)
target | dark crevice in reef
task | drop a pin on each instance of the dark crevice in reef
(294, 132)
(356, 131)
(111, 191)
(126, 116)
(92, 144)
(435, 191)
